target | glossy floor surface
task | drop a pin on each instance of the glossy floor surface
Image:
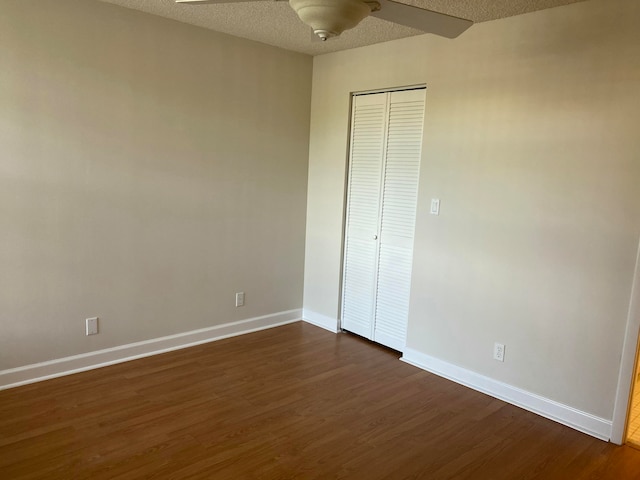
(290, 402)
(633, 428)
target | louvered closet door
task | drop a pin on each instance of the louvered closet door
(397, 224)
(383, 186)
(368, 131)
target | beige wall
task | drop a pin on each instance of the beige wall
(148, 171)
(532, 145)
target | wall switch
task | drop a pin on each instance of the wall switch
(92, 325)
(240, 299)
(498, 352)
(435, 206)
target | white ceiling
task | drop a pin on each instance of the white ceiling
(275, 23)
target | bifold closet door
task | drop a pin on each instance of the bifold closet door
(398, 217)
(368, 133)
(383, 186)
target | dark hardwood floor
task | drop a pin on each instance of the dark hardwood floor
(290, 402)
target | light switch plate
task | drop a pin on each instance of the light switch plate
(435, 206)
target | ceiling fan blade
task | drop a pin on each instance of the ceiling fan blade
(421, 19)
(204, 2)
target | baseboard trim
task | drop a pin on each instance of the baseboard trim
(577, 419)
(37, 372)
(320, 320)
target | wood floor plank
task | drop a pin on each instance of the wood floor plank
(293, 402)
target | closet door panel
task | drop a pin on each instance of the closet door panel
(392, 303)
(398, 212)
(363, 212)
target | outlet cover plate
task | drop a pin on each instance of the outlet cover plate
(240, 299)
(92, 325)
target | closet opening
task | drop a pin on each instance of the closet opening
(383, 172)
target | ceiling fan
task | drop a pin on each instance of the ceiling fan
(329, 18)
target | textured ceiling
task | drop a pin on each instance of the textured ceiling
(275, 23)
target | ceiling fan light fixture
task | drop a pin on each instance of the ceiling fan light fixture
(324, 34)
(329, 18)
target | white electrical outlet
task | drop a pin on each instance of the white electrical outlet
(92, 325)
(240, 299)
(498, 352)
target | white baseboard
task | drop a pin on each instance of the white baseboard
(569, 416)
(36, 372)
(320, 320)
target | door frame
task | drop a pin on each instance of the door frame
(628, 362)
(347, 180)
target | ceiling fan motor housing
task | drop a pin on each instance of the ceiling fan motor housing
(329, 18)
